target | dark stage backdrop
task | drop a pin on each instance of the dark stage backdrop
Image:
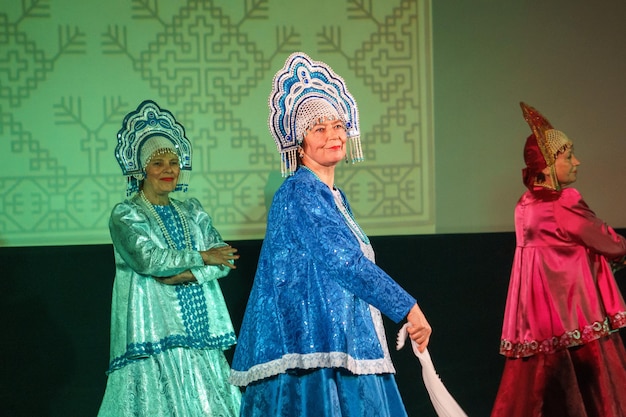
(55, 306)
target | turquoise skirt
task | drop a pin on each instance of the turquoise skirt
(323, 392)
(178, 382)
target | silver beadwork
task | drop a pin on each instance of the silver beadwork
(303, 91)
(149, 121)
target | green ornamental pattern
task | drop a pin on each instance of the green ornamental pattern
(70, 70)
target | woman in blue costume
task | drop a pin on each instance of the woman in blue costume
(169, 322)
(312, 341)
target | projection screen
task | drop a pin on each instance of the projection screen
(70, 71)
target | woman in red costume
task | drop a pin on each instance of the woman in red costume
(564, 355)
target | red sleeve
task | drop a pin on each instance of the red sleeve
(582, 225)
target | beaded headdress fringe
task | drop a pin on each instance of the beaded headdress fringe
(356, 151)
(289, 158)
(288, 162)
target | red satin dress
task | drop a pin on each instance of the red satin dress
(564, 354)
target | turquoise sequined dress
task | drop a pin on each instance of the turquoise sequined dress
(167, 341)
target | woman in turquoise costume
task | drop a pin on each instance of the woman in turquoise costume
(169, 322)
(312, 341)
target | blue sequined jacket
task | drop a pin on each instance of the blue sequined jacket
(147, 316)
(316, 298)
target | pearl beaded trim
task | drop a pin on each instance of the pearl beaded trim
(354, 226)
(183, 220)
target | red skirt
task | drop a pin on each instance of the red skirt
(583, 381)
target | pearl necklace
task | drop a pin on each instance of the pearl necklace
(182, 218)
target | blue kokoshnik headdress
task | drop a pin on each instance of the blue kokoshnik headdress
(303, 92)
(147, 131)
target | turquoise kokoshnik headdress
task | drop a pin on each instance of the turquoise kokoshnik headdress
(305, 92)
(147, 131)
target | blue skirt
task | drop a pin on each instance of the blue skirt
(323, 392)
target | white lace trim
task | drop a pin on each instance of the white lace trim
(380, 332)
(377, 318)
(312, 361)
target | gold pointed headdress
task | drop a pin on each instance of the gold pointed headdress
(549, 141)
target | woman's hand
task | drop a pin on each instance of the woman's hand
(220, 256)
(419, 330)
(186, 276)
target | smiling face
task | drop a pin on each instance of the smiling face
(324, 144)
(161, 176)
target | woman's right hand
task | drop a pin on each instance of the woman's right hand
(220, 256)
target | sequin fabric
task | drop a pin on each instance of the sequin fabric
(562, 292)
(179, 382)
(324, 392)
(316, 298)
(158, 330)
